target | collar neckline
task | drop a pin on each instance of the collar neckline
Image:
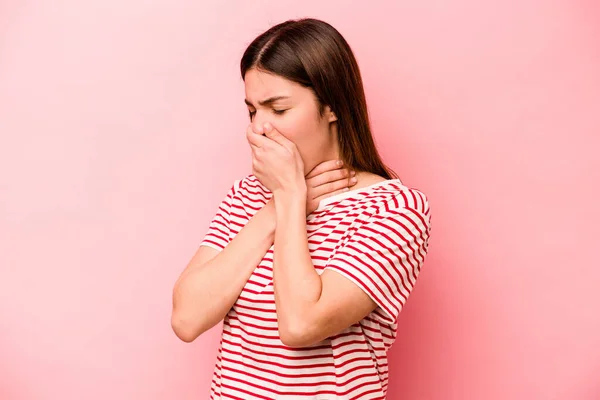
(340, 196)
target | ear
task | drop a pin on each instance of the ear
(331, 117)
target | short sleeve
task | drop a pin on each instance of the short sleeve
(384, 257)
(218, 233)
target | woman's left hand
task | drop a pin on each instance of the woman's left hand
(276, 161)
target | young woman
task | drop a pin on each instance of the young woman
(308, 275)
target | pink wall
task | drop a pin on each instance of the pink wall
(123, 124)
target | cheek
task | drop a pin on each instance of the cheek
(289, 126)
(299, 126)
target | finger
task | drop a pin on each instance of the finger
(330, 176)
(251, 141)
(342, 190)
(275, 135)
(323, 167)
(255, 139)
(253, 147)
(329, 188)
(250, 137)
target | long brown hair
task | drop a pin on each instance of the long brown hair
(315, 55)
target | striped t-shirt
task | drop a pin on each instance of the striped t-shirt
(377, 237)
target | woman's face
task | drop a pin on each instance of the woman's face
(293, 111)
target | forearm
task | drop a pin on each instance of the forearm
(296, 284)
(203, 296)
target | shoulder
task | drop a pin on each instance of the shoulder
(248, 189)
(398, 202)
(410, 198)
(393, 194)
(251, 183)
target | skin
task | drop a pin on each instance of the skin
(315, 138)
(286, 147)
(295, 159)
(296, 118)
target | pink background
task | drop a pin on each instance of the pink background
(123, 125)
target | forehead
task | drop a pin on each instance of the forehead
(262, 85)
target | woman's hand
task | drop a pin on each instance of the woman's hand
(325, 180)
(276, 161)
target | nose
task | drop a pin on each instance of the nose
(258, 123)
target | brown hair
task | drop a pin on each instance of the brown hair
(314, 54)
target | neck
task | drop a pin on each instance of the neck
(324, 151)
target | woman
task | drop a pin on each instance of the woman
(308, 275)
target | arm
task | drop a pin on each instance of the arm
(306, 313)
(382, 259)
(205, 292)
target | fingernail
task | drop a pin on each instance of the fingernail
(353, 180)
(339, 163)
(352, 173)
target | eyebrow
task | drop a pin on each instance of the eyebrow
(270, 100)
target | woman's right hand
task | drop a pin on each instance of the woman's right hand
(325, 180)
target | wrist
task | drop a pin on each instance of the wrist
(289, 200)
(269, 216)
(292, 192)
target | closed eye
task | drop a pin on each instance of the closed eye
(278, 112)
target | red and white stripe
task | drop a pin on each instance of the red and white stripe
(375, 236)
